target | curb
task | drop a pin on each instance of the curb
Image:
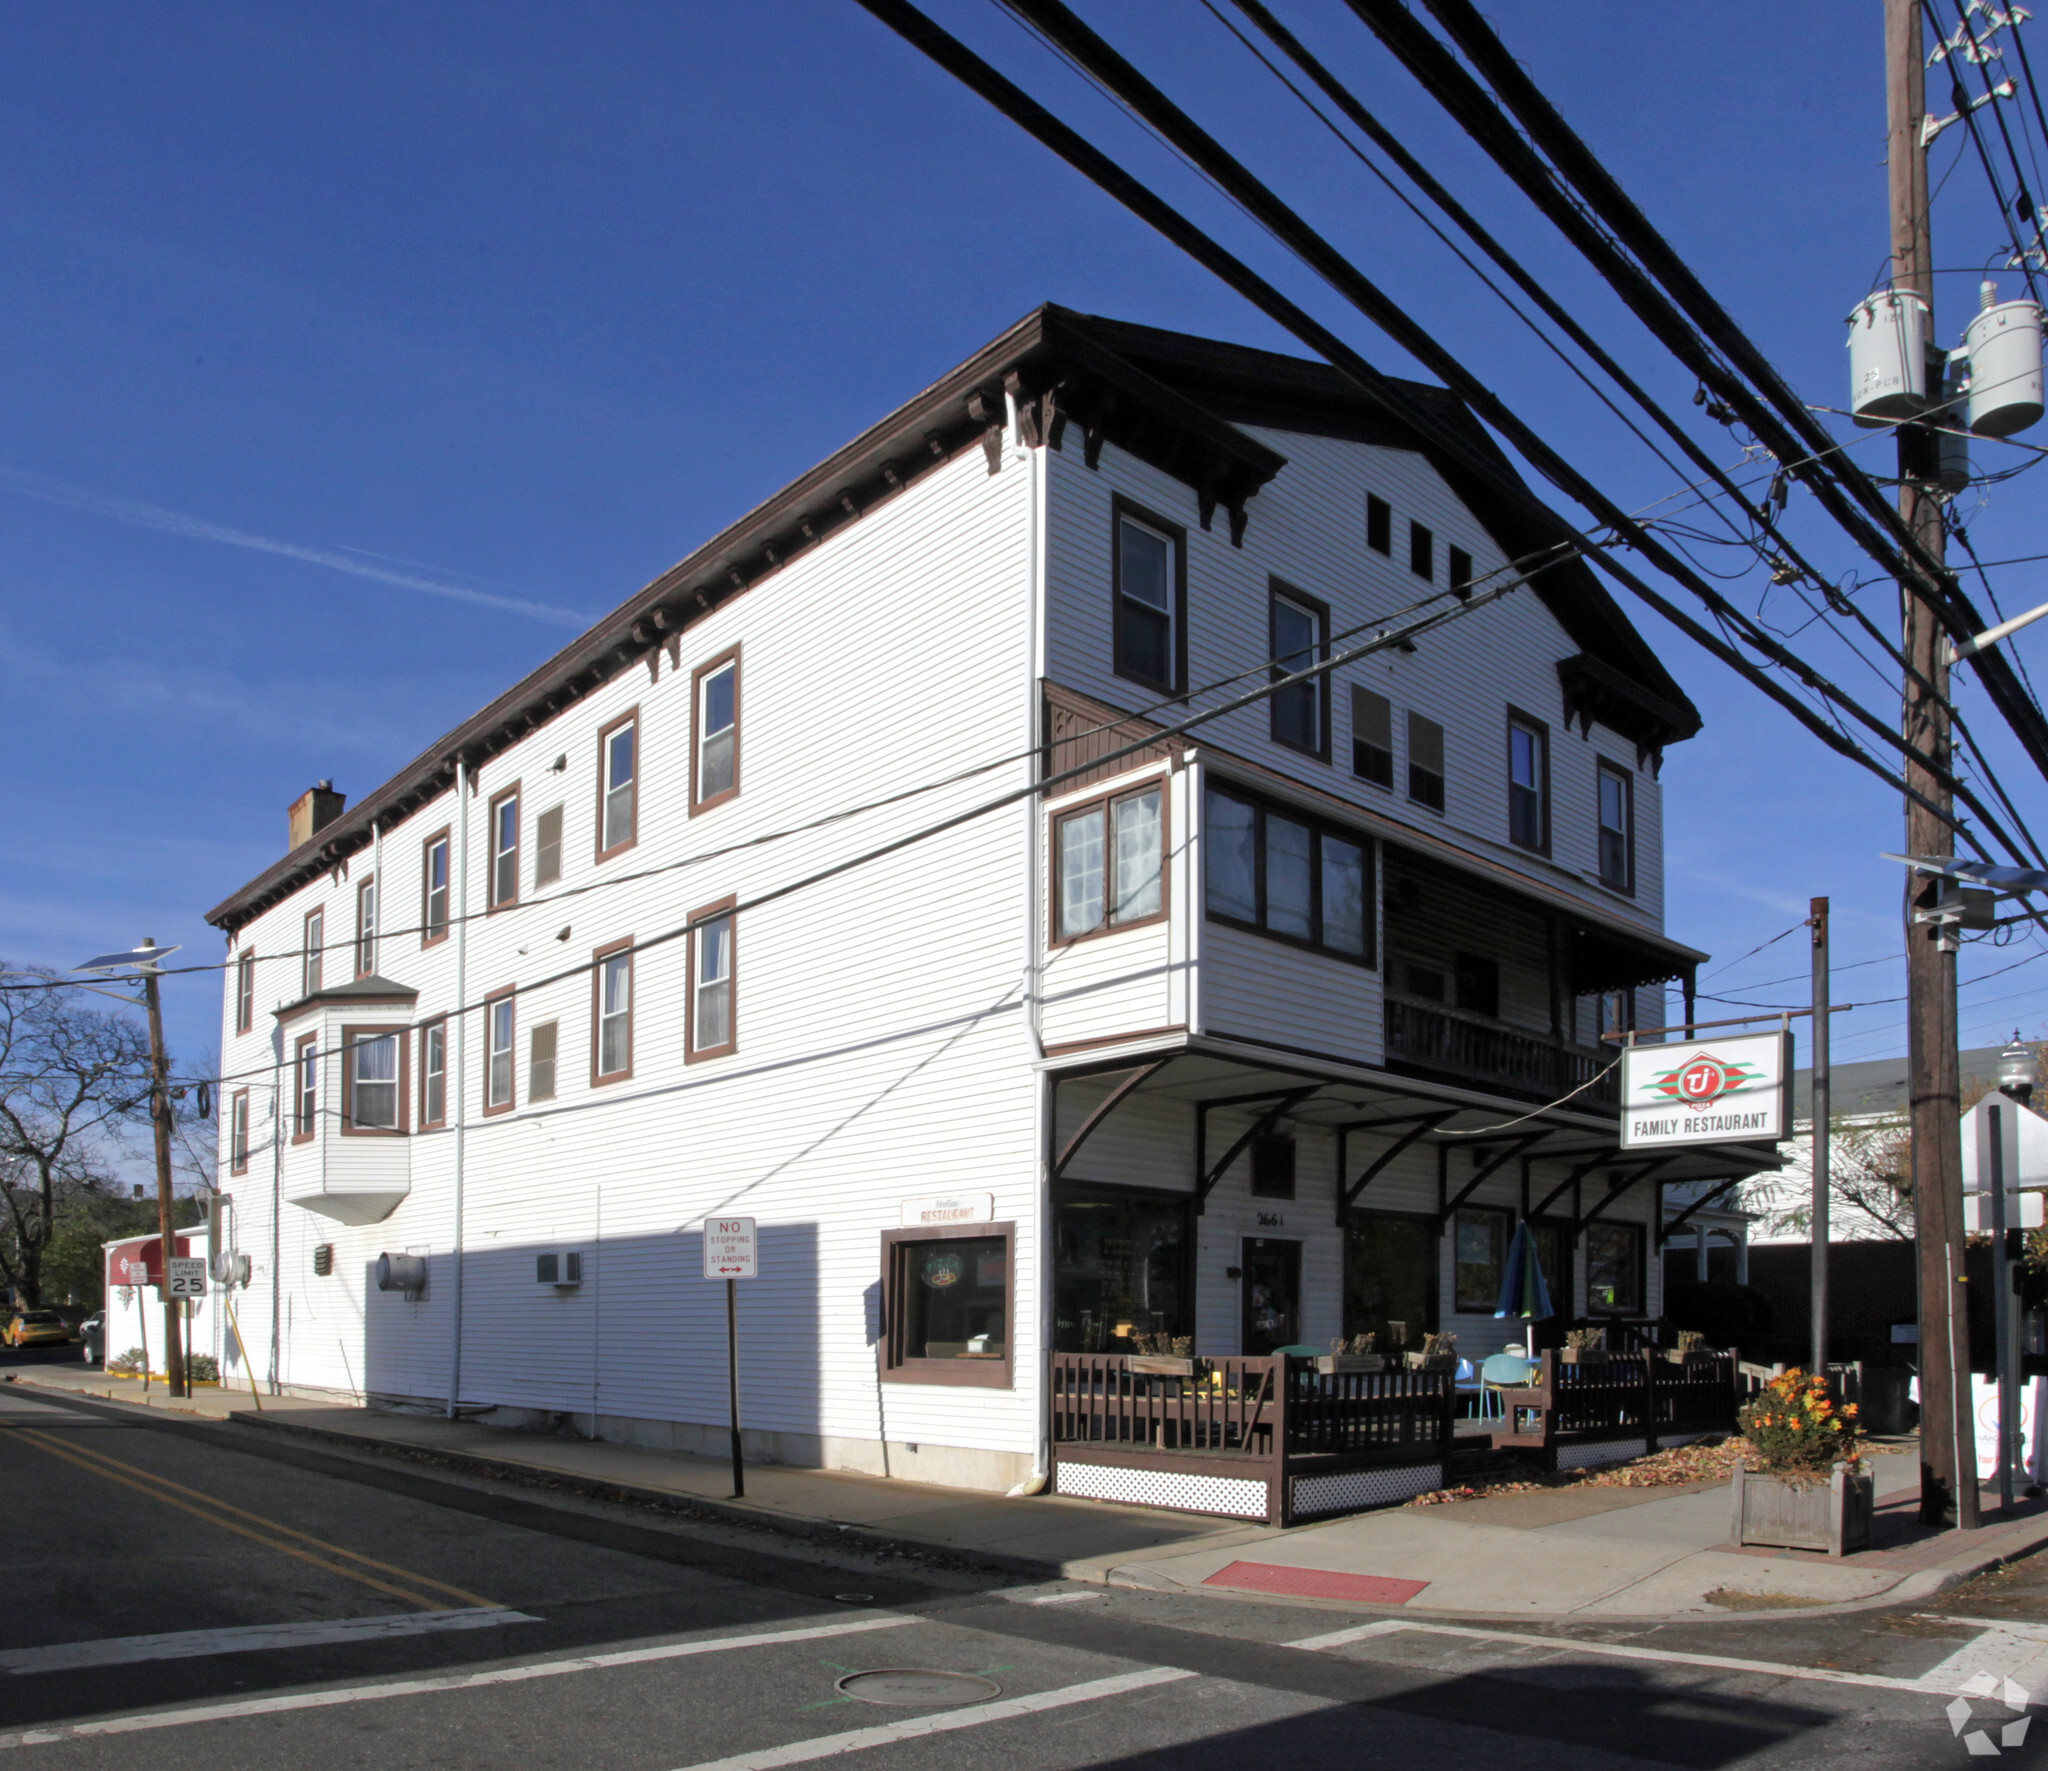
(661, 1499)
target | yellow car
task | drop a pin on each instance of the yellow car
(36, 1328)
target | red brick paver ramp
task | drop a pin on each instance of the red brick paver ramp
(1315, 1583)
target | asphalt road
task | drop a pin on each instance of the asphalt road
(299, 1607)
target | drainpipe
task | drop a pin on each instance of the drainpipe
(276, 1222)
(1043, 1128)
(461, 1080)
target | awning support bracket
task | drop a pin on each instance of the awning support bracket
(1348, 1193)
(1115, 1098)
(1206, 1179)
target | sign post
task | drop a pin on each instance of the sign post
(187, 1277)
(732, 1253)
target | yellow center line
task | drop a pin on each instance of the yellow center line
(144, 1483)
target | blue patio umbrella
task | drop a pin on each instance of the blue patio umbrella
(1522, 1290)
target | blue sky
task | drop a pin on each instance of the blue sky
(355, 353)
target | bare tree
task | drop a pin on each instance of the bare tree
(1870, 1184)
(71, 1078)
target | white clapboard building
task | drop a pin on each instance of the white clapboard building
(842, 879)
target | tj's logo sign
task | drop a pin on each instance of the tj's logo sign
(1704, 1079)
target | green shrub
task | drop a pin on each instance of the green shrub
(1798, 1430)
(202, 1368)
(130, 1361)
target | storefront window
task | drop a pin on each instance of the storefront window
(1122, 1270)
(1482, 1243)
(955, 1298)
(1614, 1268)
(1390, 1279)
(1553, 1242)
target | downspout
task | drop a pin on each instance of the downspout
(276, 1224)
(461, 1080)
(1042, 1126)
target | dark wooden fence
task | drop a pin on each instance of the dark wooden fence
(1625, 1404)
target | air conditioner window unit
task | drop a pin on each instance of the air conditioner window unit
(561, 1269)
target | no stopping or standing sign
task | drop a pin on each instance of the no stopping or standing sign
(731, 1250)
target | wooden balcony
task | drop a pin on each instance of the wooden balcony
(1251, 1438)
(1428, 1039)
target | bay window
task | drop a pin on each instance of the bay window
(1287, 876)
(372, 1074)
(1109, 860)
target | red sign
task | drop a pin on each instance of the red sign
(140, 1260)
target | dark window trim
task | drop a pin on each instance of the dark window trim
(1433, 1273)
(245, 990)
(1067, 1191)
(1421, 551)
(693, 1053)
(305, 1125)
(1102, 802)
(1642, 1267)
(1458, 572)
(1443, 775)
(631, 717)
(1268, 1142)
(1119, 508)
(1358, 743)
(1601, 770)
(1277, 591)
(1379, 525)
(349, 1038)
(425, 1028)
(428, 937)
(1516, 717)
(238, 1132)
(366, 939)
(731, 655)
(598, 956)
(533, 1095)
(1458, 1304)
(313, 951)
(510, 1104)
(492, 902)
(1369, 959)
(984, 1374)
(1562, 1293)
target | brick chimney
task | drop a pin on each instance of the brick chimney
(313, 811)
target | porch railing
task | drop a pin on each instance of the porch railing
(1622, 1405)
(1446, 1043)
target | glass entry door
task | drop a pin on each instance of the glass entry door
(1390, 1280)
(1272, 1294)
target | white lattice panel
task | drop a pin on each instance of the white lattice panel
(1612, 1451)
(1237, 1496)
(1358, 1489)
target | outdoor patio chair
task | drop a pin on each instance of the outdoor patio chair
(1501, 1372)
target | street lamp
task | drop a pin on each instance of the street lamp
(146, 964)
(2018, 1070)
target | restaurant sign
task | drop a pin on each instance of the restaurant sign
(949, 1208)
(1717, 1091)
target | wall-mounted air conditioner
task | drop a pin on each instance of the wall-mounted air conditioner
(561, 1269)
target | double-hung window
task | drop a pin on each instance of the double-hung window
(1372, 737)
(1151, 600)
(434, 889)
(500, 1087)
(1379, 524)
(366, 927)
(1421, 551)
(547, 848)
(1617, 829)
(1461, 572)
(1110, 860)
(505, 848)
(306, 1088)
(373, 1068)
(433, 1074)
(1425, 762)
(314, 942)
(245, 990)
(1480, 1236)
(612, 984)
(711, 983)
(717, 701)
(1614, 1269)
(618, 771)
(541, 1046)
(1299, 631)
(238, 1133)
(1287, 876)
(1528, 783)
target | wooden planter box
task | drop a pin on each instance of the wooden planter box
(1431, 1361)
(1673, 1356)
(1161, 1365)
(1833, 1516)
(1336, 1364)
(1583, 1356)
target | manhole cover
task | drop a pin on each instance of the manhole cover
(912, 1688)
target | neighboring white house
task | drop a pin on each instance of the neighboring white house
(1255, 1036)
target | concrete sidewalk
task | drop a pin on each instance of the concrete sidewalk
(1585, 1553)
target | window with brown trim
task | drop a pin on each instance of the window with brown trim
(501, 1087)
(1298, 636)
(611, 1012)
(1372, 737)
(504, 829)
(948, 1304)
(713, 1031)
(1421, 551)
(434, 878)
(547, 848)
(1149, 597)
(433, 1074)
(366, 927)
(1379, 524)
(238, 1133)
(1528, 782)
(245, 990)
(1287, 876)
(373, 1080)
(541, 1046)
(1461, 572)
(305, 1088)
(1617, 814)
(715, 725)
(1108, 861)
(618, 775)
(314, 943)
(1425, 762)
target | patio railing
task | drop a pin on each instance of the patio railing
(1602, 1410)
(1426, 1036)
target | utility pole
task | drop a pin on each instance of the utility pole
(160, 1119)
(1819, 1106)
(1948, 1476)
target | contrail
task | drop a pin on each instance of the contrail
(170, 522)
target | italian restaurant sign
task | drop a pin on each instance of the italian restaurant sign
(1714, 1091)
